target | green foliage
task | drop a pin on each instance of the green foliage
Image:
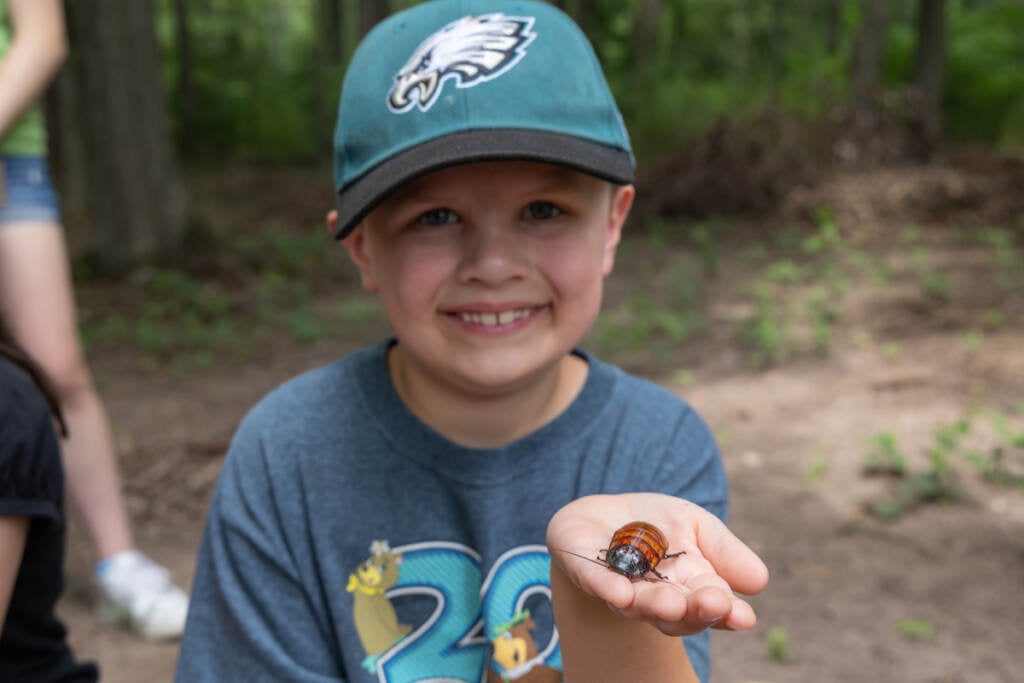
(933, 284)
(815, 470)
(186, 321)
(778, 646)
(180, 318)
(1007, 256)
(286, 252)
(916, 629)
(1001, 462)
(706, 237)
(265, 75)
(257, 79)
(985, 98)
(984, 94)
(657, 314)
(713, 59)
(884, 456)
(798, 298)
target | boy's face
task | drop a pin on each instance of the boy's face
(490, 273)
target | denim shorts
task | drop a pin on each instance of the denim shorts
(28, 193)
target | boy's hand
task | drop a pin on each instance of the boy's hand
(699, 591)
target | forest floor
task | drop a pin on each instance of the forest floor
(863, 369)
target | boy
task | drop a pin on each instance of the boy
(384, 518)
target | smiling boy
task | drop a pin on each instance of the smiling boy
(394, 515)
(491, 274)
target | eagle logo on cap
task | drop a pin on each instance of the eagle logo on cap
(469, 51)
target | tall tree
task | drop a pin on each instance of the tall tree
(371, 12)
(930, 66)
(113, 110)
(645, 31)
(833, 25)
(866, 65)
(186, 94)
(329, 56)
(583, 11)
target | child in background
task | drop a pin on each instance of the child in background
(411, 512)
(37, 307)
(32, 528)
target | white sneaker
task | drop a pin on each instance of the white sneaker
(137, 592)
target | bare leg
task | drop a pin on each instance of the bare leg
(37, 306)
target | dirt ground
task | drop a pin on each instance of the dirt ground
(932, 595)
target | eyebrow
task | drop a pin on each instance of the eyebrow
(555, 179)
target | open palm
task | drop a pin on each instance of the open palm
(698, 589)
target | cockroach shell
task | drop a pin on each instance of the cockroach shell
(636, 549)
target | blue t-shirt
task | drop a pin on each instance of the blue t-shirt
(349, 541)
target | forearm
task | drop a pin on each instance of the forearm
(13, 532)
(37, 51)
(599, 645)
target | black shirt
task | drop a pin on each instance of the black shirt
(33, 648)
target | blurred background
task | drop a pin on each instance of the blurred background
(826, 259)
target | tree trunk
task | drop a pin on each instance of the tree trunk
(113, 102)
(329, 49)
(930, 66)
(371, 12)
(776, 49)
(331, 36)
(645, 32)
(186, 94)
(868, 55)
(833, 25)
(583, 12)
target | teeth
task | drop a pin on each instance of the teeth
(494, 319)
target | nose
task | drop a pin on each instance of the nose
(493, 253)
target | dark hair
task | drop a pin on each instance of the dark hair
(16, 355)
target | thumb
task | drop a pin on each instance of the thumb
(732, 559)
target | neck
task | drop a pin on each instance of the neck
(488, 420)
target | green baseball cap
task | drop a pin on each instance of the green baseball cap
(450, 82)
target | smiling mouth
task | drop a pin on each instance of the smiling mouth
(494, 319)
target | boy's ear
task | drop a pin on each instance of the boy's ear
(332, 221)
(355, 244)
(622, 202)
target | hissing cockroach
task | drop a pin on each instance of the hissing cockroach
(634, 551)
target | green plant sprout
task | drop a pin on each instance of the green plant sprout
(779, 650)
(884, 456)
(815, 470)
(1002, 464)
(916, 629)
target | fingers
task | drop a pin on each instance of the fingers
(699, 590)
(585, 523)
(732, 559)
(677, 611)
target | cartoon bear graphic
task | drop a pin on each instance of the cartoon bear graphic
(374, 616)
(516, 653)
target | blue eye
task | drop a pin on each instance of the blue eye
(436, 217)
(542, 211)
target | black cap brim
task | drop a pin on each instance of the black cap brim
(359, 199)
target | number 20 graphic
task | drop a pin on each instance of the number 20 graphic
(452, 644)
